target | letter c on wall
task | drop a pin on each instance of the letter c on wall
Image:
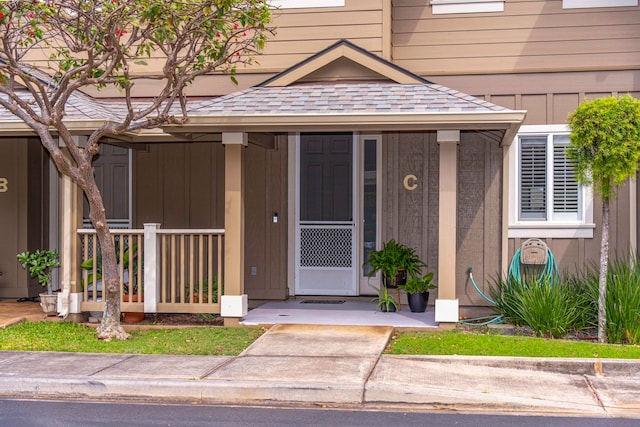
(410, 182)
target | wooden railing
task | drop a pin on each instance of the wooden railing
(161, 271)
(191, 274)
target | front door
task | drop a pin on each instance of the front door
(326, 258)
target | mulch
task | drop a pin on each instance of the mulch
(177, 319)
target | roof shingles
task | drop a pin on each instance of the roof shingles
(343, 98)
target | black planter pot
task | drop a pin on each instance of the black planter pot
(390, 309)
(418, 302)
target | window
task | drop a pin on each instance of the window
(548, 202)
(579, 4)
(466, 6)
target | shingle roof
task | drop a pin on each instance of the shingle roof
(344, 98)
(79, 107)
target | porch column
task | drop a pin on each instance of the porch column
(447, 303)
(70, 220)
(233, 304)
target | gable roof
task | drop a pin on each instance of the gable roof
(398, 100)
(344, 49)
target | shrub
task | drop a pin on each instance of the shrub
(551, 311)
(623, 302)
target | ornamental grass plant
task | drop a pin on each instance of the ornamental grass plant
(572, 304)
(550, 310)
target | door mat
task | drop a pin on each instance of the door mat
(322, 301)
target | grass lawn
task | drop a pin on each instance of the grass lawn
(71, 337)
(456, 342)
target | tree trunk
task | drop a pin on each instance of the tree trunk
(602, 281)
(110, 326)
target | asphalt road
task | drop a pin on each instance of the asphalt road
(31, 413)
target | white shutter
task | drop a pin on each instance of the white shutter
(566, 192)
(533, 178)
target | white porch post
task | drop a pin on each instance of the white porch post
(233, 304)
(70, 220)
(447, 303)
(151, 268)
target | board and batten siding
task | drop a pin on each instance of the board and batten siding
(553, 108)
(182, 186)
(265, 240)
(411, 217)
(529, 36)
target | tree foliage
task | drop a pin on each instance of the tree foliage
(52, 49)
(605, 142)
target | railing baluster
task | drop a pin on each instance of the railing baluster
(210, 268)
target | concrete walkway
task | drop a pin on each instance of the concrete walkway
(333, 366)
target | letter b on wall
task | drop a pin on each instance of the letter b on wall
(4, 185)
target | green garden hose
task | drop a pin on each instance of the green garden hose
(549, 273)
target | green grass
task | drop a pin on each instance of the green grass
(71, 337)
(456, 342)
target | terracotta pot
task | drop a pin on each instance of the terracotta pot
(132, 316)
(399, 280)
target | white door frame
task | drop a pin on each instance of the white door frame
(350, 278)
(362, 284)
(367, 284)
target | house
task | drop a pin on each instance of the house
(440, 123)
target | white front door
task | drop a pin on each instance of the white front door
(326, 191)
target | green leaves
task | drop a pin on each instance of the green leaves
(39, 264)
(605, 142)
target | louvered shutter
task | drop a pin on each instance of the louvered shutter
(533, 178)
(566, 194)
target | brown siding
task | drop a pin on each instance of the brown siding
(530, 35)
(301, 33)
(23, 163)
(266, 241)
(577, 254)
(411, 217)
(179, 185)
(182, 186)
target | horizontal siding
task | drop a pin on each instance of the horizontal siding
(529, 36)
(301, 33)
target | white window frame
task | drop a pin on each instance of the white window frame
(440, 7)
(584, 4)
(554, 226)
(304, 4)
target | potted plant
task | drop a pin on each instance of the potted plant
(417, 289)
(385, 301)
(395, 261)
(39, 265)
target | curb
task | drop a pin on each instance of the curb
(573, 366)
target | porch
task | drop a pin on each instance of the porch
(322, 311)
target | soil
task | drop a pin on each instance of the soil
(177, 319)
(588, 335)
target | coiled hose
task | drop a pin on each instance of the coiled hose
(548, 274)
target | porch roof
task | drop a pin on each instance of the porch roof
(371, 106)
(344, 98)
